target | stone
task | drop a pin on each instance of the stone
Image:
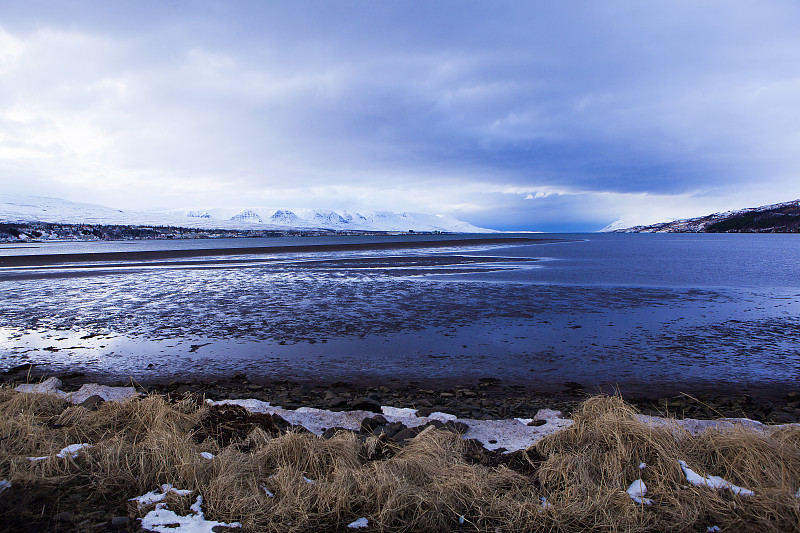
(366, 404)
(120, 521)
(370, 424)
(406, 434)
(64, 516)
(337, 401)
(393, 429)
(92, 402)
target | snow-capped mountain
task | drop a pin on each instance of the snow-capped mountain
(334, 220)
(775, 218)
(24, 209)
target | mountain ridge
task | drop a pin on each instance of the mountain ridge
(773, 218)
(26, 209)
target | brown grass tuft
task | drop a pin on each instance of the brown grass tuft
(428, 485)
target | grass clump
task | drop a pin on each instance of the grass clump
(574, 480)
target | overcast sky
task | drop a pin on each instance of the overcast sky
(552, 116)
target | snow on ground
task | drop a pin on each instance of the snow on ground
(358, 524)
(70, 451)
(52, 386)
(695, 426)
(512, 434)
(715, 482)
(163, 520)
(4, 484)
(637, 491)
(154, 497)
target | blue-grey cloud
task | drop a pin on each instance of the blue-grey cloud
(516, 115)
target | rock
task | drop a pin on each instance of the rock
(446, 394)
(406, 434)
(537, 422)
(239, 376)
(92, 402)
(370, 424)
(393, 429)
(337, 401)
(64, 516)
(366, 404)
(119, 521)
(424, 403)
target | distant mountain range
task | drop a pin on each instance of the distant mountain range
(26, 209)
(775, 218)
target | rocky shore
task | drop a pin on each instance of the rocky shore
(486, 399)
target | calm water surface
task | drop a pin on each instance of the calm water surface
(645, 313)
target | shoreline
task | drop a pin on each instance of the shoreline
(486, 398)
(145, 255)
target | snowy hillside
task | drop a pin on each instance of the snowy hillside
(336, 220)
(775, 218)
(21, 209)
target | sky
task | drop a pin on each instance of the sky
(529, 115)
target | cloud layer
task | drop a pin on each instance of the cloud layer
(514, 115)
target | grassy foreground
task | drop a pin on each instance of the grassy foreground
(427, 485)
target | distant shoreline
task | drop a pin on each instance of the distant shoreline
(52, 259)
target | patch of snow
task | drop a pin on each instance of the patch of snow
(70, 451)
(358, 524)
(206, 455)
(442, 417)
(267, 491)
(309, 481)
(548, 414)
(715, 482)
(404, 412)
(108, 394)
(4, 484)
(52, 386)
(642, 466)
(162, 520)
(694, 426)
(493, 434)
(73, 450)
(713, 529)
(154, 497)
(544, 503)
(48, 386)
(637, 491)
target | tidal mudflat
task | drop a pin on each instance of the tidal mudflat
(605, 312)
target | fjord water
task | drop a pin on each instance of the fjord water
(649, 314)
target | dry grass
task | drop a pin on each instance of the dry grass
(428, 485)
